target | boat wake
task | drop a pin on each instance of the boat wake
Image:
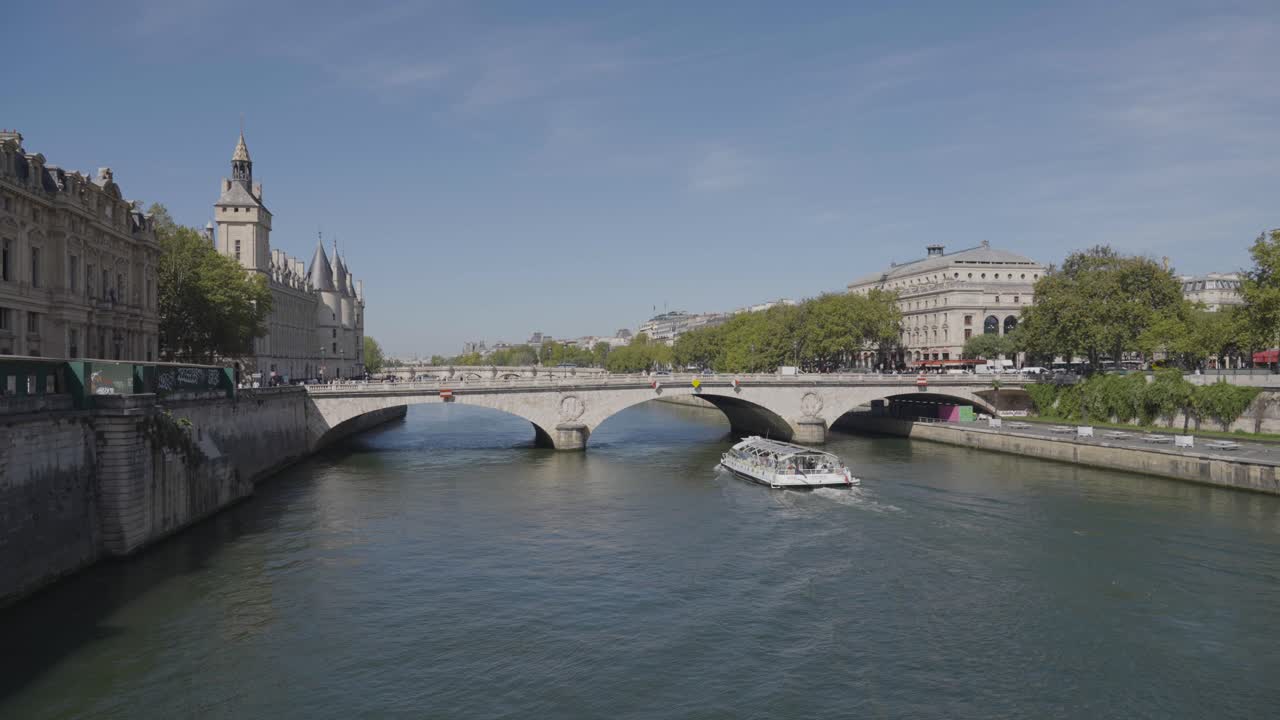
(854, 497)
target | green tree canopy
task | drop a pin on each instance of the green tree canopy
(1099, 303)
(209, 307)
(988, 346)
(1261, 290)
(373, 359)
(822, 333)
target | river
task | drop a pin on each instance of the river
(442, 567)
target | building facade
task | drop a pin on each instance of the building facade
(1215, 290)
(670, 325)
(316, 326)
(946, 298)
(78, 263)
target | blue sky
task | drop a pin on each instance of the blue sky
(491, 169)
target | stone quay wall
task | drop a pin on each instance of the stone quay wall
(49, 523)
(1201, 468)
(78, 486)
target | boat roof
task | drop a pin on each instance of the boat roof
(777, 447)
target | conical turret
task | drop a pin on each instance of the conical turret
(320, 275)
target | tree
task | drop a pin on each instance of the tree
(822, 334)
(209, 306)
(1099, 303)
(1261, 290)
(986, 346)
(373, 359)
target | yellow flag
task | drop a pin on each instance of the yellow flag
(697, 382)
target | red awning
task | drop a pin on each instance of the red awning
(1267, 356)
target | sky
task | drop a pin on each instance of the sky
(491, 169)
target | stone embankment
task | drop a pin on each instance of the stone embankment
(1249, 472)
(77, 486)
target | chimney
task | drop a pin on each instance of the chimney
(934, 250)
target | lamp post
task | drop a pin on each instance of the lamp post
(321, 364)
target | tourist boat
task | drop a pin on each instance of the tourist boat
(784, 465)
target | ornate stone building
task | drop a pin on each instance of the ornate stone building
(1215, 290)
(316, 325)
(77, 263)
(947, 298)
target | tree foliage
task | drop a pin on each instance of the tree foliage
(209, 307)
(1260, 288)
(1125, 398)
(987, 346)
(820, 334)
(1099, 303)
(373, 359)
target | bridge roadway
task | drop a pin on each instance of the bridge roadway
(565, 410)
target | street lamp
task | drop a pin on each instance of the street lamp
(321, 364)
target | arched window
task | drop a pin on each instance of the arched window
(1010, 323)
(991, 326)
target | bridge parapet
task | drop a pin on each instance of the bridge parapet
(543, 382)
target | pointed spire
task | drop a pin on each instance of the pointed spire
(320, 275)
(242, 150)
(339, 270)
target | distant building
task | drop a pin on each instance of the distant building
(670, 325)
(475, 346)
(78, 263)
(947, 297)
(1215, 290)
(766, 305)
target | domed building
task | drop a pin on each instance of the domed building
(316, 326)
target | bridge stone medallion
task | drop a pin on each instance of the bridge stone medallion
(811, 404)
(571, 408)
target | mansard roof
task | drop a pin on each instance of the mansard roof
(320, 274)
(983, 254)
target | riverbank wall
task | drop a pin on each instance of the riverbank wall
(1185, 465)
(77, 486)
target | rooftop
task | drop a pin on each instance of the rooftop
(936, 259)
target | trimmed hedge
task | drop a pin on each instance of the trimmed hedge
(1125, 398)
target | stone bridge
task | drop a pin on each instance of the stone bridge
(488, 372)
(565, 411)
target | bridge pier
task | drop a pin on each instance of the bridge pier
(571, 436)
(810, 431)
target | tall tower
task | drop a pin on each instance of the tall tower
(244, 223)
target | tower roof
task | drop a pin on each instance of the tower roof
(320, 275)
(242, 150)
(339, 272)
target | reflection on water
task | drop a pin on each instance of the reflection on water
(444, 567)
